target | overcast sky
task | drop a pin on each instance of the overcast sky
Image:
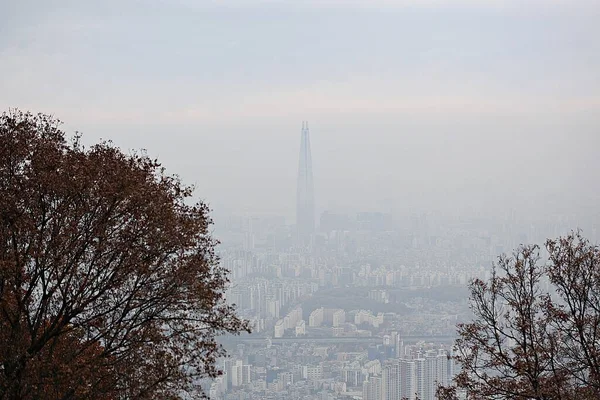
(412, 105)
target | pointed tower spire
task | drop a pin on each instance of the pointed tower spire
(305, 202)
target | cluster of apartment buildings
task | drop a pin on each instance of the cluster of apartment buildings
(388, 370)
(326, 316)
(292, 320)
(410, 378)
(340, 321)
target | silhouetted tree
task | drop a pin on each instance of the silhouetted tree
(536, 327)
(109, 284)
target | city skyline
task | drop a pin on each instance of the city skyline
(464, 115)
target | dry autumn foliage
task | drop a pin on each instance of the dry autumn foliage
(109, 283)
(536, 327)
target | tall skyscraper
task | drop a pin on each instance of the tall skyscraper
(305, 197)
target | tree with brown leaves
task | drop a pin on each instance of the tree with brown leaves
(536, 327)
(109, 283)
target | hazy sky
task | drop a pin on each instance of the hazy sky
(413, 105)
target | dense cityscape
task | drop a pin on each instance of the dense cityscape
(360, 306)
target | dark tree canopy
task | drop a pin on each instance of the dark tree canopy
(536, 327)
(109, 283)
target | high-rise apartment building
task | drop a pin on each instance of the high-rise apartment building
(390, 380)
(315, 319)
(373, 388)
(240, 373)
